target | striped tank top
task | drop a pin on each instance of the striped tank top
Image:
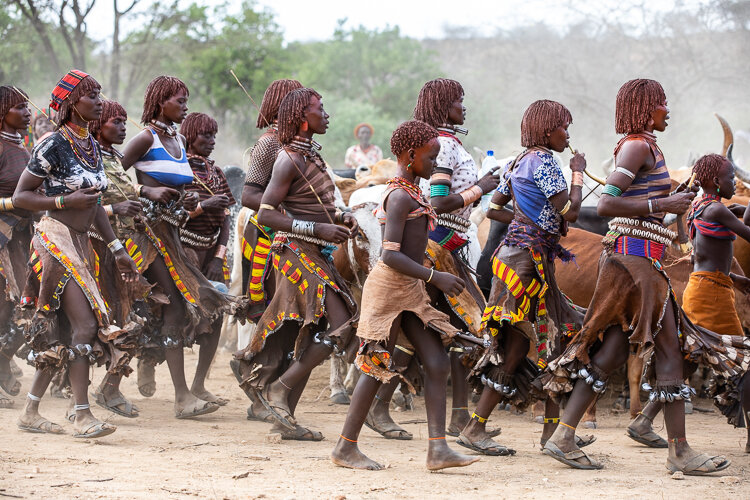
(158, 164)
(652, 183)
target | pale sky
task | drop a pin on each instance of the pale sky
(316, 20)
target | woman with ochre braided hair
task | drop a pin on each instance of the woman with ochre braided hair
(395, 300)
(159, 157)
(312, 311)
(15, 235)
(633, 307)
(72, 327)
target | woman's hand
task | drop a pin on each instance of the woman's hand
(215, 271)
(331, 232)
(447, 283)
(161, 195)
(128, 208)
(677, 203)
(216, 202)
(81, 199)
(489, 181)
(578, 162)
(351, 222)
(126, 266)
(190, 201)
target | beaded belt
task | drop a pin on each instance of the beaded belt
(627, 245)
(196, 240)
(642, 229)
(454, 222)
(282, 236)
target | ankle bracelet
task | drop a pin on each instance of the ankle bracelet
(347, 439)
(678, 440)
(645, 416)
(479, 419)
(32, 397)
(553, 420)
(82, 407)
(435, 439)
(568, 426)
(282, 383)
(461, 408)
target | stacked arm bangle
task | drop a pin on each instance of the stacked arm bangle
(266, 206)
(495, 206)
(303, 227)
(471, 195)
(577, 179)
(109, 210)
(60, 203)
(565, 208)
(6, 204)
(612, 190)
(221, 252)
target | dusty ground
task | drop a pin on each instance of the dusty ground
(223, 455)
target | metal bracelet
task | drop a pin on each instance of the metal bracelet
(303, 227)
(115, 245)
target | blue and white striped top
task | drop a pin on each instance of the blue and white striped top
(163, 167)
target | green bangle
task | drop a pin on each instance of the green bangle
(439, 190)
(612, 190)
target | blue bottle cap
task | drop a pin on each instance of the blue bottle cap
(490, 152)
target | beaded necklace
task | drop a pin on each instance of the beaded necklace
(308, 149)
(87, 156)
(210, 176)
(78, 132)
(416, 194)
(168, 130)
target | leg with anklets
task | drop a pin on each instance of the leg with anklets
(611, 354)
(670, 374)
(474, 435)
(208, 345)
(277, 395)
(379, 417)
(30, 420)
(84, 329)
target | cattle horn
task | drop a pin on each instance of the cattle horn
(728, 135)
(739, 172)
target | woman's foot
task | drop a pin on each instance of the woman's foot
(203, 394)
(86, 426)
(440, 456)
(9, 382)
(562, 447)
(347, 454)
(274, 398)
(190, 406)
(684, 459)
(641, 431)
(109, 397)
(379, 419)
(146, 378)
(6, 402)
(33, 422)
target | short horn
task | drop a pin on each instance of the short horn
(739, 172)
(728, 135)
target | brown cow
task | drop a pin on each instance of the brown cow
(579, 283)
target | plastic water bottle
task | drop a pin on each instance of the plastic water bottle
(488, 164)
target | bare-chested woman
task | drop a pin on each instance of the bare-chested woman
(395, 299)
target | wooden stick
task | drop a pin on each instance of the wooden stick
(37, 107)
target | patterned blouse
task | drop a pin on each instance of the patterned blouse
(356, 156)
(55, 161)
(453, 157)
(535, 179)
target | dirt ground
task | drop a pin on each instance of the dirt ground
(223, 455)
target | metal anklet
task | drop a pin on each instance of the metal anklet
(597, 385)
(683, 392)
(32, 397)
(81, 407)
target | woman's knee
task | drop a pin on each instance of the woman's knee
(84, 331)
(437, 366)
